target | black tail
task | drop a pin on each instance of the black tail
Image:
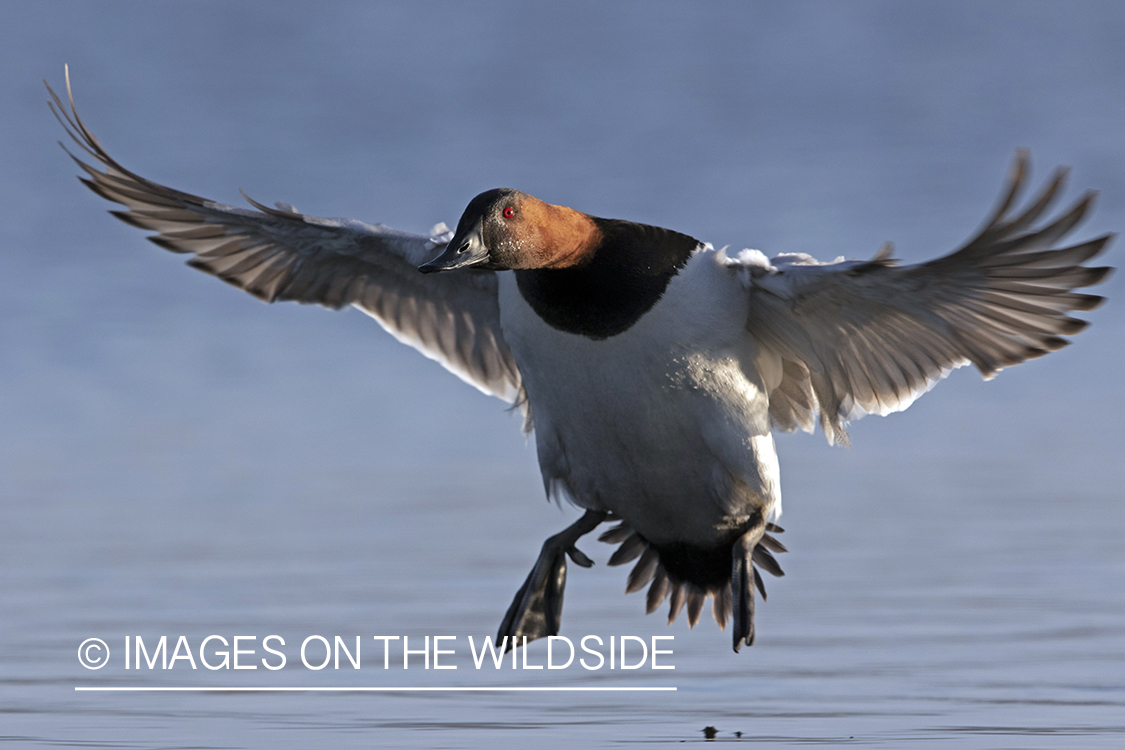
(687, 575)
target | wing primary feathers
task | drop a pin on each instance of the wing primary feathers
(280, 254)
(872, 336)
(1045, 199)
(1016, 175)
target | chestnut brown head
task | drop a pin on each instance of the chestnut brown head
(506, 229)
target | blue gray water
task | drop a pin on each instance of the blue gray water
(177, 458)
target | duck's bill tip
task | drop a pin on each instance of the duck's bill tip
(462, 255)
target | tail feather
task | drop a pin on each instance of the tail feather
(657, 591)
(675, 601)
(663, 584)
(643, 571)
(695, 599)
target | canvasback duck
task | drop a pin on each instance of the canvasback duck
(651, 367)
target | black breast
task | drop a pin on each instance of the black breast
(628, 273)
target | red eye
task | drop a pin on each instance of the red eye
(509, 212)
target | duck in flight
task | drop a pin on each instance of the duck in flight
(651, 367)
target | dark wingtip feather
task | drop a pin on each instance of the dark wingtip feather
(129, 219)
(1016, 175)
(169, 245)
(1071, 326)
(100, 190)
(1039, 205)
(1087, 302)
(1096, 275)
(1105, 241)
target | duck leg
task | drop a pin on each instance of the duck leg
(742, 583)
(537, 609)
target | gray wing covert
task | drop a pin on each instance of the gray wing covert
(279, 254)
(844, 339)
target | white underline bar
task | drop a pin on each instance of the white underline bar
(236, 689)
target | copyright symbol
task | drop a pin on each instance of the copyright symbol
(93, 653)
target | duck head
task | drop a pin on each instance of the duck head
(505, 229)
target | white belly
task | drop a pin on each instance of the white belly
(659, 424)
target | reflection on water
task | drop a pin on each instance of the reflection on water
(177, 460)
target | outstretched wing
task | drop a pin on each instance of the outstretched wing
(280, 254)
(845, 339)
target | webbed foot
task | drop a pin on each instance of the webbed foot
(536, 610)
(752, 547)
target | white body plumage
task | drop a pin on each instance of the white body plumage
(666, 424)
